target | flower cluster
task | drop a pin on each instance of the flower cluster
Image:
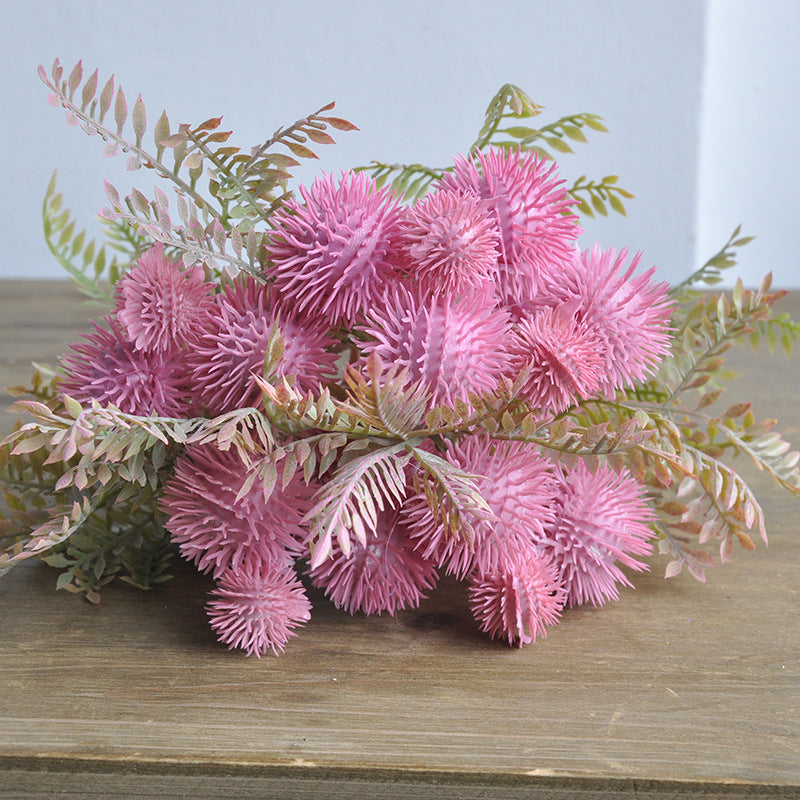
(478, 289)
(393, 375)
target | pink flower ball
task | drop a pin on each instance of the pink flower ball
(518, 486)
(232, 349)
(602, 520)
(217, 529)
(332, 256)
(562, 356)
(257, 607)
(385, 574)
(106, 367)
(453, 345)
(629, 313)
(451, 242)
(161, 306)
(519, 600)
(530, 206)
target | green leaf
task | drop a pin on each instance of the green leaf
(616, 204)
(594, 122)
(558, 144)
(598, 205)
(574, 133)
(519, 131)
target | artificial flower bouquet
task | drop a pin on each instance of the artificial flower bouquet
(398, 373)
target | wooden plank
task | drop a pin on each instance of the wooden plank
(37, 321)
(246, 784)
(679, 688)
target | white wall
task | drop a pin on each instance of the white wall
(415, 78)
(750, 167)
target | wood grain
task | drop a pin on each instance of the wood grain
(679, 689)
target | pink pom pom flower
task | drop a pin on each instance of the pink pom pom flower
(257, 607)
(106, 367)
(451, 242)
(562, 356)
(454, 346)
(517, 602)
(332, 256)
(160, 305)
(629, 313)
(529, 203)
(233, 347)
(218, 530)
(385, 574)
(602, 521)
(518, 486)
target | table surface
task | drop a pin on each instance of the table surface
(678, 689)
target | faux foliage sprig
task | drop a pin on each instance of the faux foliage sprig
(511, 107)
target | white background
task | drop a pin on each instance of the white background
(700, 97)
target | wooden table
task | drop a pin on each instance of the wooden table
(680, 689)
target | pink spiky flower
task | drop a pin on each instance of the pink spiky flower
(530, 206)
(160, 305)
(454, 346)
(518, 486)
(385, 574)
(331, 257)
(217, 529)
(106, 367)
(451, 242)
(257, 607)
(561, 355)
(602, 520)
(518, 602)
(629, 312)
(232, 349)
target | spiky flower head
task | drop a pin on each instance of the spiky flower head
(385, 574)
(530, 206)
(257, 607)
(561, 355)
(518, 486)
(518, 602)
(601, 522)
(451, 242)
(219, 530)
(629, 312)
(105, 366)
(232, 349)
(332, 256)
(453, 345)
(160, 305)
